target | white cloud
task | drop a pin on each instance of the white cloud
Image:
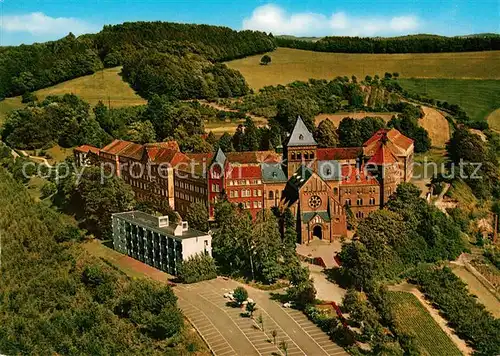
(39, 24)
(272, 18)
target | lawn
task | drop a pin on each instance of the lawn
(289, 65)
(412, 318)
(428, 164)
(106, 86)
(8, 105)
(479, 98)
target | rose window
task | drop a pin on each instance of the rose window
(315, 202)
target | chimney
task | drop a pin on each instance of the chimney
(163, 221)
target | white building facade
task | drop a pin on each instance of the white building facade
(156, 242)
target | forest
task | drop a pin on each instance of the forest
(404, 44)
(57, 299)
(28, 68)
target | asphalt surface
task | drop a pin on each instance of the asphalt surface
(227, 332)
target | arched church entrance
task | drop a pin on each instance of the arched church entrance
(318, 232)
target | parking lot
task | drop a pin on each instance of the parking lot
(228, 333)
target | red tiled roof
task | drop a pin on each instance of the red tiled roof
(244, 172)
(171, 145)
(200, 157)
(357, 176)
(382, 156)
(328, 154)
(133, 150)
(87, 148)
(253, 157)
(116, 147)
(399, 143)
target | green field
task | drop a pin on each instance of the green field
(479, 98)
(292, 64)
(106, 86)
(412, 318)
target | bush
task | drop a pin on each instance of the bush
(265, 60)
(240, 294)
(196, 268)
(29, 97)
(48, 189)
(166, 324)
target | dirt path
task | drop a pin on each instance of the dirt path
(436, 124)
(461, 344)
(476, 287)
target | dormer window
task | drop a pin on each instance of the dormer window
(301, 137)
(275, 174)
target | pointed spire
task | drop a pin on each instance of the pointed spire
(301, 136)
(220, 157)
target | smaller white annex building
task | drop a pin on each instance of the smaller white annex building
(155, 241)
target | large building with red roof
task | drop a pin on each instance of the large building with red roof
(320, 186)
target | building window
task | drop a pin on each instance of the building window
(259, 193)
(311, 155)
(335, 191)
(293, 155)
(372, 201)
(348, 202)
(271, 195)
(299, 155)
(301, 137)
(306, 155)
(255, 205)
(360, 201)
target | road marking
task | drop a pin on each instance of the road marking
(201, 334)
(297, 322)
(232, 321)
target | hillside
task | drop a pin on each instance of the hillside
(289, 65)
(479, 98)
(106, 86)
(32, 67)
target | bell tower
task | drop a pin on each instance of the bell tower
(301, 148)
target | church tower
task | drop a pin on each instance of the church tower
(301, 148)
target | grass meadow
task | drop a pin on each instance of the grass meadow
(106, 86)
(292, 64)
(479, 98)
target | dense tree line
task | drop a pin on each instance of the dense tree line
(407, 123)
(216, 43)
(393, 240)
(151, 72)
(63, 120)
(475, 162)
(467, 317)
(27, 68)
(251, 249)
(405, 44)
(58, 299)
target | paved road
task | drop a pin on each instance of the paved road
(223, 329)
(228, 333)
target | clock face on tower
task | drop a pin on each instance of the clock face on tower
(314, 202)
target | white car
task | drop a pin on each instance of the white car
(250, 300)
(287, 305)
